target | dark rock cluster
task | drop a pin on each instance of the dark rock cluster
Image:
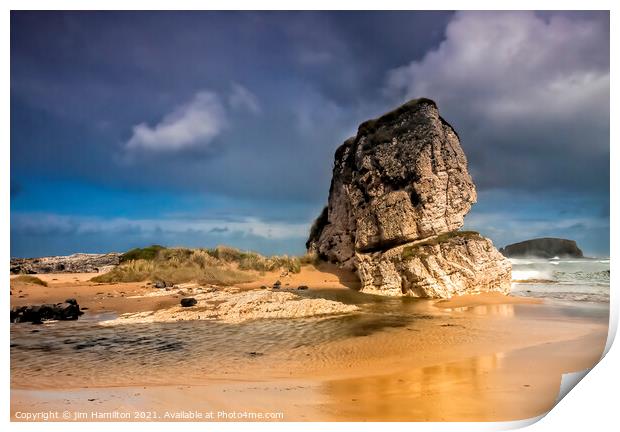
(36, 314)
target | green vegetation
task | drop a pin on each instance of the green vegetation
(219, 266)
(381, 136)
(30, 279)
(247, 260)
(254, 261)
(418, 251)
(411, 252)
(128, 271)
(147, 253)
(371, 126)
(312, 259)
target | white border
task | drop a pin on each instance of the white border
(593, 405)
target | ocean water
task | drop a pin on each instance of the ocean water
(570, 280)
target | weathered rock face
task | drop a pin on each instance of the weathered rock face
(461, 263)
(547, 247)
(76, 263)
(401, 181)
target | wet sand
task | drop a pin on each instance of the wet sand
(483, 358)
(472, 300)
(511, 385)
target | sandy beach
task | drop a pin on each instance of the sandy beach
(481, 357)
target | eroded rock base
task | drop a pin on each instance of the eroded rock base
(451, 264)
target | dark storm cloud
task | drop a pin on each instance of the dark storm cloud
(528, 93)
(315, 76)
(16, 188)
(245, 110)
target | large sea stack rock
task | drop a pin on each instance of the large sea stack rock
(547, 247)
(399, 192)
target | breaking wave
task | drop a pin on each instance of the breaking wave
(563, 279)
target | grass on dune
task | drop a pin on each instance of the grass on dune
(30, 279)
(219, 266)
(147, 253)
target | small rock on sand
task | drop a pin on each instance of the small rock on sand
(188, 302)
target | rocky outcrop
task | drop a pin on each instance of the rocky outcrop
(76, 263)
(456, 263)
(399, 192)
(547, 247)
(236, 305)
(69, 310)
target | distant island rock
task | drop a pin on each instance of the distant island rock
(76, 263)
(399, 192)
(547, 247)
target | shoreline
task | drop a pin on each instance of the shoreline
(479, 357)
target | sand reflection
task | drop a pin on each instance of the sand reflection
(503, 310)
(449, 391)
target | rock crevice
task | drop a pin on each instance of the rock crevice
(401, 182)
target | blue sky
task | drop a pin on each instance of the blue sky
(206, 128)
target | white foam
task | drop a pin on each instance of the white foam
(531, 274)
(522, 261)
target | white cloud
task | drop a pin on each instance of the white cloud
(528, 94)
(196, 123)
(514, 66)
(242, 98)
